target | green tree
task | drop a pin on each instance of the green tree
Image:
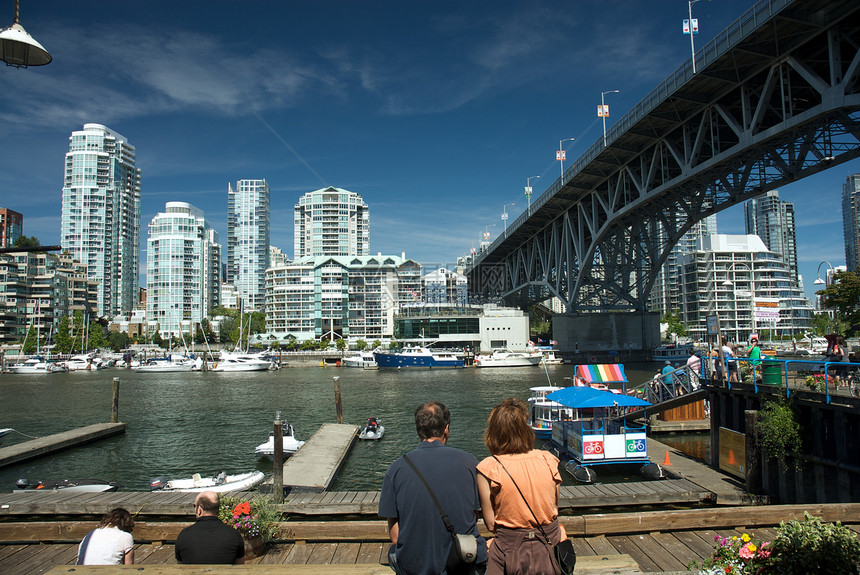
(309, 345)
(198, 335)
(376, 343)
(157, 339)
(361, 345)
(63, 340)
(29, 344)
(292, 344)
(340, 344)
(843, 295)
(393, 344)
(96, 336)
(78, 334)
(227, 325)
(25, 242)
(118, 340)
(675, 325)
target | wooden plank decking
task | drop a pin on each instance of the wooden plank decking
(43, 445)
(315, 465)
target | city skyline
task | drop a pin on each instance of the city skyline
(437, 114)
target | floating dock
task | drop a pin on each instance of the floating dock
(314, 467)
(49, 444)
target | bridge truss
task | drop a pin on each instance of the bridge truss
(776, 99)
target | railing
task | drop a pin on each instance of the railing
(663, 387)
(822, 376)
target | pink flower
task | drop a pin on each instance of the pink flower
(745, 552)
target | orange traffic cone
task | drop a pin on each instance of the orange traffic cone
(666, 459)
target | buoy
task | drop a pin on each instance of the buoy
(666, 459)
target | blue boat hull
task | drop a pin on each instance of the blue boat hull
(421, 362)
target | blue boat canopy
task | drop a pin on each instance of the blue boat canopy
(582, 397)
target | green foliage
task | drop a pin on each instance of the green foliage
(340, 344)
(393, 344)
(26, 242)
(227, 325)
(779, 431)
(292, 344)
(361, 345)
(96, 336)
(63, 339)
(376, 343)
(821, 324)
(156, 339)
(29, 344)
(844, 295)
(810, 546)
(309, 345)
(118, 340)
(675, 325)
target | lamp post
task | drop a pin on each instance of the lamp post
(692, 27)
(529, 190)
(486, 236)
(560, 154)
(818, 281)
(505, 216)
(19, 49)
(603, 111)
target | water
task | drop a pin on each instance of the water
(185, 423)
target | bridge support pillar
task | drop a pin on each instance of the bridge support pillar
(601, 335)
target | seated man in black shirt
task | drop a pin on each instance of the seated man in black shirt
(209, 541)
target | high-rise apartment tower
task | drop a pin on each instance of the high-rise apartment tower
(772, 220)
(248, 240)
(851, 221)
(100, 224)
(331, 222)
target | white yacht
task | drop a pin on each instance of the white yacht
(363, 359)
(36, 364)
(83, 361)
(291, 444)
(237, 361)
(171, 363)
(505, 358)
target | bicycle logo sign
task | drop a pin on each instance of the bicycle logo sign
(635, 446)
(593, 448)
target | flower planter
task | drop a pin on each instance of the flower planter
(254, 546)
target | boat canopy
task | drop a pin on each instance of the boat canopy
(580, 397)
(601, 373)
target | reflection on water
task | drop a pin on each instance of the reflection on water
(185, 423)
(696, 445)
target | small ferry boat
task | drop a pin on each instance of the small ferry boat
(291, 444)
(420, 357)
(66, 485)
(543, 413)
(373, 429)
(363, 359)
(505, 358)
(598, 433)
(219, 483)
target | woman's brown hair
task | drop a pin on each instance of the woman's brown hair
(119, 518)
(508, 429)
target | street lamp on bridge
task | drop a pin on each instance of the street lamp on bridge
(486, 236)
(560, 154)
(529, 190)
(505, 216)
(691, 27)
(603, 111)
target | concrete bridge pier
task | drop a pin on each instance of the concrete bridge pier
(600, 336)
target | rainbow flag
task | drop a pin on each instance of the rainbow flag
(601, 373)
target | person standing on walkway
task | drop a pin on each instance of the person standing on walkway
(111, 542)
(694, 363)
(421, 544)
(209, 541)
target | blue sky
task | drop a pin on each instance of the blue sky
(435, 112)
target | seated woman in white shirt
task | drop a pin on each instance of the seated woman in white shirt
(111, 542)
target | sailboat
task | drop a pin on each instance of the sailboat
(36, 363)
(238, 360)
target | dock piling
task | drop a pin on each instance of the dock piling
(278, 461)
(337, 401)
(114, 404)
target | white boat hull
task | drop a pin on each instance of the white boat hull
(508, 359)
(372, 435)
(230, 483)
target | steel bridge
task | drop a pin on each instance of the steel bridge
(776, 98)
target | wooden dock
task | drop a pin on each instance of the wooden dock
(314, 467)
(44, 445)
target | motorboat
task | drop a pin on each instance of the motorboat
(671, 352)
(291, 444)
(171, 363)
(220, 483)
(65, 485)
(238, 361)
(83, 362)
(420, 357)
(37, 364)
(363, 359)
(373, 429)
(549, 357)
(505, 358)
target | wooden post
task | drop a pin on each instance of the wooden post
(114, 404)
(278, 462)
(337, 402)
(752, 473)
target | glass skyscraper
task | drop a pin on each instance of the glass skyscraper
(183, 268)
(248, 240)
(772, 220)
(851, 221)
(100, 224)
(331, 222)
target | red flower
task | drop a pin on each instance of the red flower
(243, 508)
